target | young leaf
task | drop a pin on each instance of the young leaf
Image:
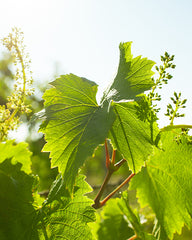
(76, 124)
(133, 76)
(165, 184)
(131, 136)
(17, 153)
(67, 218)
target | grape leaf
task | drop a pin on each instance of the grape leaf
(130, 135)
(18, 215)
(76, 124)
(60, 217)
(117, 221)
(133, 76)
(17, 153)
(165, 184)
(113, 223)
(67, 217)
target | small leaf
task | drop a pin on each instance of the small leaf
(133, 76)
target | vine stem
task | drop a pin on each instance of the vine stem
(97, 203)
(116, 190)
(111, 168)
(174, 113)
(9, 120)
(23, 69)
(113, 157)
(107, 155)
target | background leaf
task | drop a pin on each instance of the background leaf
(18, 216)
(113, 223)
(118, 221)
(76, 124)
(17, 153)
(165, 184)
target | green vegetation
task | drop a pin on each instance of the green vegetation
(44, 194)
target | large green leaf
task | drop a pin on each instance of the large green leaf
(17, 153)
(165, 184)
(130, 135)
(76, 124)
(133, 76)
(66, 217)
(18, 216)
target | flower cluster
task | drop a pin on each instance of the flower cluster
(16, 106)
(147, 105)
(163, 77)
(172, 110)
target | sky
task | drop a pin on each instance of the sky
(82, 37)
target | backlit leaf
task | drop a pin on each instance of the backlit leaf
(165, 184)
(131, 136)
(133, 76)
(76, 124)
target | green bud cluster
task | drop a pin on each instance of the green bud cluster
(147, 108)
(164, 76)
(16, 106)
(172, 110)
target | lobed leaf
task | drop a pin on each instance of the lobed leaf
(165, 184)
(131, 136)
(68, 217)
(76, 124)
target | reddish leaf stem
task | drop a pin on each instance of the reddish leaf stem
(99, 195)
(118, 164)
(133, 237)
(107, 155)
(113, 157)
(111, 169)
(117, 189)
